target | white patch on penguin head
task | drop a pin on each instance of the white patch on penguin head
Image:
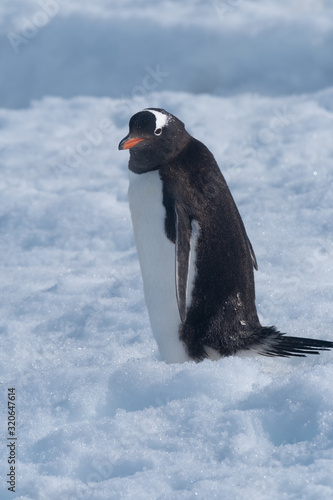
(161, 119)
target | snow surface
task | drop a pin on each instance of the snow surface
(99, 415)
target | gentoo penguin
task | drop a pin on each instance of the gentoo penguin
(195, 256)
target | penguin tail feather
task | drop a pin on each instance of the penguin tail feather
(273, 343)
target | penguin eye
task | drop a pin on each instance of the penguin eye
(158, 131)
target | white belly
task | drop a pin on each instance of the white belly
(157, 261)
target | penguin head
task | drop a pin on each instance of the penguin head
(155, 136)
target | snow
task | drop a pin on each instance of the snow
(125, 48)
(99, 415)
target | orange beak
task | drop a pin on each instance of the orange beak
(129, 143)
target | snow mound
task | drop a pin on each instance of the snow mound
(99, 415)
(123, 49)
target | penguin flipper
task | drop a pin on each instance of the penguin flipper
(253, 257)
(183, 245)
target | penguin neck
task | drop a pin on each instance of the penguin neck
(139, 170)
(140, 167)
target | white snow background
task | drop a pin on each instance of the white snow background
(99, 415)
